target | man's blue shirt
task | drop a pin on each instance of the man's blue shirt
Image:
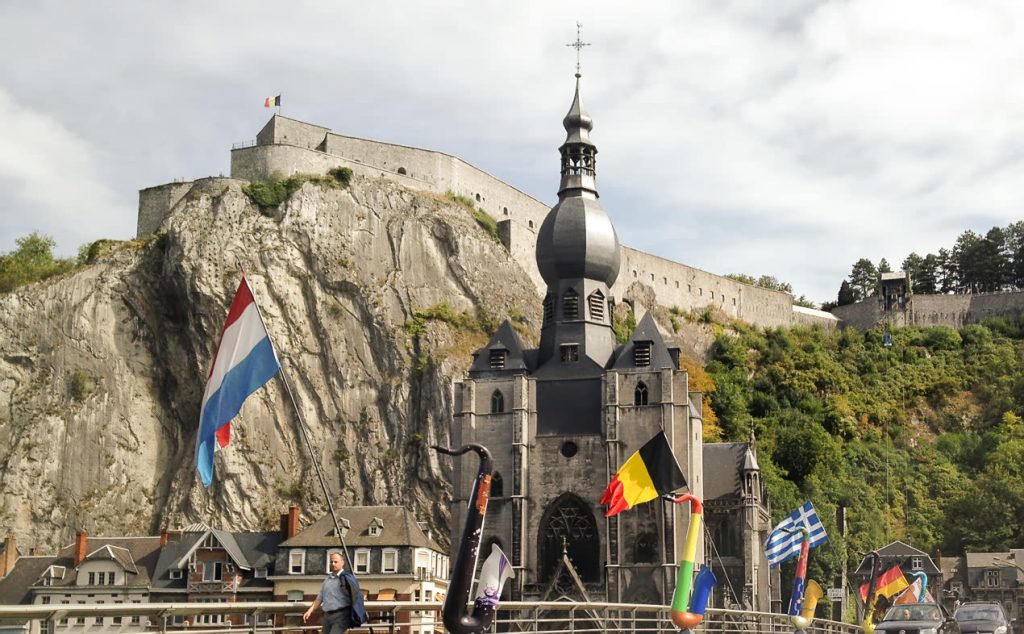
(332, 594)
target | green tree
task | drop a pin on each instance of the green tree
(31, 261)
(883, 266)
(846, 294)
(863, 279)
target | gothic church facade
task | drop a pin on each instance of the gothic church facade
(560, 419)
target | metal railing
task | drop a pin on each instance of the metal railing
(402, 617)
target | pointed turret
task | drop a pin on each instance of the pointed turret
(578, 255)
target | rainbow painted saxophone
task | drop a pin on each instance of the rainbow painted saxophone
(687, 610)
(804, 598)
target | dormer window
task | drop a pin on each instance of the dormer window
(570, 305)
(175, 573)
(498, 358)
(640, 394)
(497, 402)
(376, 527)
(595, 301)
(916, 563)
(641, 353)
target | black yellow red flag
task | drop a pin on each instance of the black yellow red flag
(648, 473)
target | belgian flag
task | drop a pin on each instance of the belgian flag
(270, 102)
(650, 472)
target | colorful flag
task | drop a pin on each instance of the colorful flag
(244, 362)
(913, 594)
(648, 473)
(272, 101)
(784, 540)
(887, 584)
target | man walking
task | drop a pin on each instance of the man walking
(337, 596)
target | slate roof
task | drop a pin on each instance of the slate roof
(646, 330)
(14, 588)
(247, 549)
(400, 529)
(137, 555)
(900, 553)
(505, 338)
(723, 464)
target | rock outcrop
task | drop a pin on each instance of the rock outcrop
(102, 370)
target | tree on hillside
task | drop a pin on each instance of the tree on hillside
(769, 282)
(846, 294)
(863, 279)
(1014, 250)
(883, 266)
(31, 261)
(945, 271)
(927, 279)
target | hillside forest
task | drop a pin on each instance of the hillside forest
(921, 441)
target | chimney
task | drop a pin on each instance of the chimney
(293, 521)
(10, 554)
(164, 538)
(81, 544)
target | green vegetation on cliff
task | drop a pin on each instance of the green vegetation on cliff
(271, 193)
(921, 441)
(31, 261)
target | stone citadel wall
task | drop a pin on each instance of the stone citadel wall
(287, 146)
(933, 310)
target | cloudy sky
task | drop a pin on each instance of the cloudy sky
(779, 138)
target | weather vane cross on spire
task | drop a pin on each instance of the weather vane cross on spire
(578, 45)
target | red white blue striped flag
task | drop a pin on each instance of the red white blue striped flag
(245, 361)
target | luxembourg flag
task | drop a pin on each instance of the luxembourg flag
(245, 361)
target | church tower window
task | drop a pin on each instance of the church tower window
(497, 359)
(549, 307)
(570, 305)
(596, 302)
(497, 486)
(642, 354)
(569, 523)
(497, 402)
(640, 394)
(570, 352)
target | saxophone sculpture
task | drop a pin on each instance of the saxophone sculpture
(496, 570)
(688, 611)
(804, 598)
(869, 602)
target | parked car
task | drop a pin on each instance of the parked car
(917, 618)
(982, 617)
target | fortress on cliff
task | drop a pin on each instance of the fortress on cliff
(287, 146)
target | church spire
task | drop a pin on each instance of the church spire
(579, 154)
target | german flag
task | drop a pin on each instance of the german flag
(272, 102)
(887, 584)
(650, 472)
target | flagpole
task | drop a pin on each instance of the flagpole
(305, 436)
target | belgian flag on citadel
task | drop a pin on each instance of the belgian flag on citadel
(272, 101)
(648, 473)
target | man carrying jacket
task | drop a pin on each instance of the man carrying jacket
(339, 597)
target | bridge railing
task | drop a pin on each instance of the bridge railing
(392, 617)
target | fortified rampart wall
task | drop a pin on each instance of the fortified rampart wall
(933, 310)
(288, 146)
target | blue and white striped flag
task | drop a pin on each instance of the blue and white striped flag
(783, 544)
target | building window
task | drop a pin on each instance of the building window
(596, 303)
(640, 394)
(497, 359)
(570, 305)
(92, 578)
(212, 571)
(362, 561)
(916, 563)
(497, 402)
(549, 307)
(260, 573)
(992, 578)
(641, 353)
(295, 595)
(376, 527)
(389, 560)
(497, 485)
(570, 352)
(297, 562)
(175, 573)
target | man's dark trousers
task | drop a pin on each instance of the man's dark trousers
(337, 621)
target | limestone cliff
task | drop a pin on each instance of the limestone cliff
(102, 371)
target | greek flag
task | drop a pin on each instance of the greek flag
(784, 540)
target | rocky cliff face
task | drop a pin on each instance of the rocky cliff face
(102, 371)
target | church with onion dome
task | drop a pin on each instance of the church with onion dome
(559, 420)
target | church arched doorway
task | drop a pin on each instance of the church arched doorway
(569, 521)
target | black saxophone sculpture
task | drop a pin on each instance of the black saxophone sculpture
(454, 611)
